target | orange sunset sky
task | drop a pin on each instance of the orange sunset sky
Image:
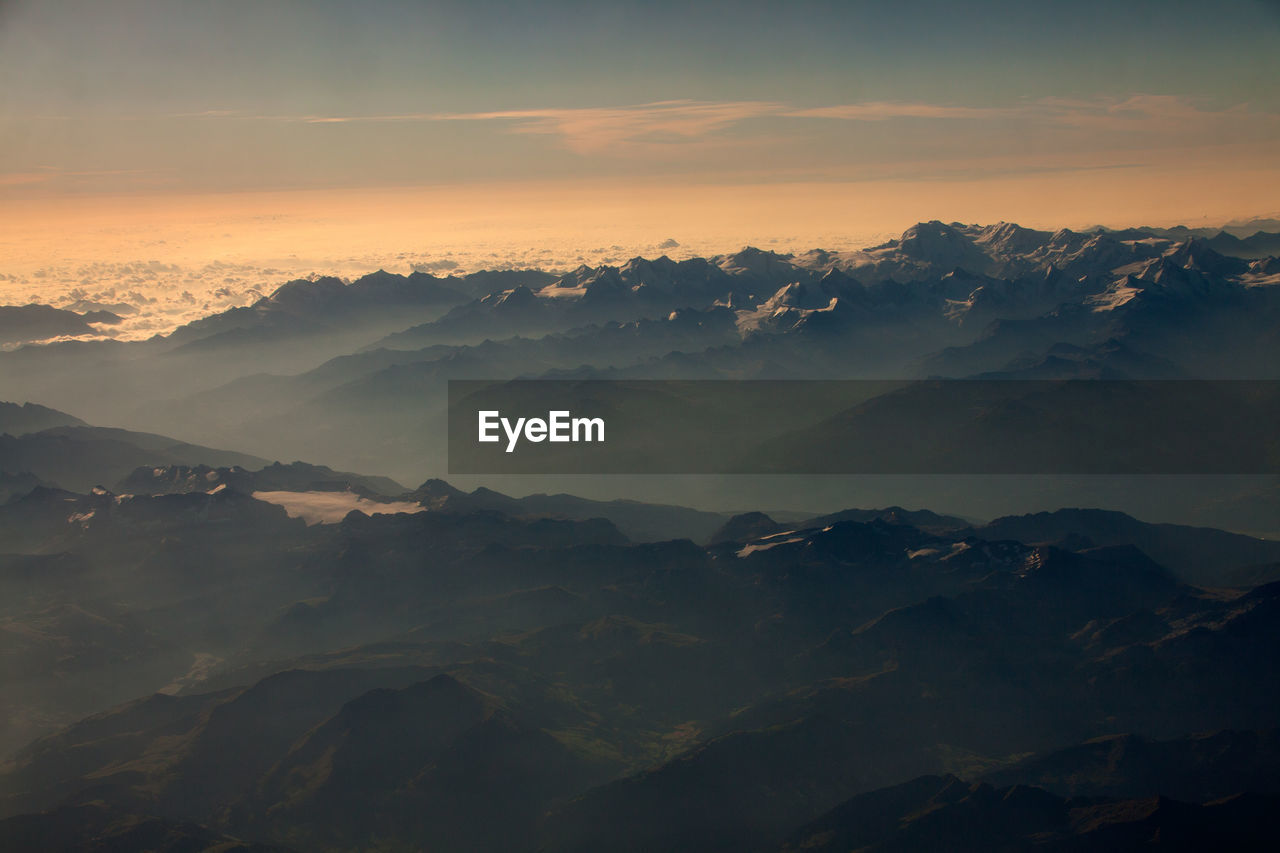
(197, 154)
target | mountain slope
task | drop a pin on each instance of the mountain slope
(1198, 554)
(81, 457)
(21, 419)
(944, 813)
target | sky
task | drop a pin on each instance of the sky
(224, 145)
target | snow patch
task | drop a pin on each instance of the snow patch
(1112, 299)
(771, 541)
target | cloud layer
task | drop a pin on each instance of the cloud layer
(623, 129)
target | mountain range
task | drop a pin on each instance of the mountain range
(208, 644)
(318, 686)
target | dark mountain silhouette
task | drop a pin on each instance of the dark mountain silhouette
(745, 527)
(295, 477)
(93, 826)
(638, 520)
(310, 307)
(923, 519)
(1195, 769)
(944, 813)
(18, 419)
(739, 792)
(14, 485)
(81, 457)
(1199, 555)
(435, 763)
(23, 323)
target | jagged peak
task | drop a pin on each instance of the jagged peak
(837, 275)
(435, 487)
(752, 259)
(305, 288)
(639, 263)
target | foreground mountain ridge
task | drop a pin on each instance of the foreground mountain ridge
(380, 663)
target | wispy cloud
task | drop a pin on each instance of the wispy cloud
(207, 114)
(1152, 113)
(48, 174)
(593, 129)
(885, 110)
(18, 179)
(662, 125)
(585, 130)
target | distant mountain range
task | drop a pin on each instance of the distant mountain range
(354, 374)
(190, 661)
(81, 457)
(21, 324)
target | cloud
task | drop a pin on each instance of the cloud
(885, 110)
(18, 179)
(48, 174)
(434, 266)
(664, 125)
(589, 130)
(1152, 113)
(206, 114)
